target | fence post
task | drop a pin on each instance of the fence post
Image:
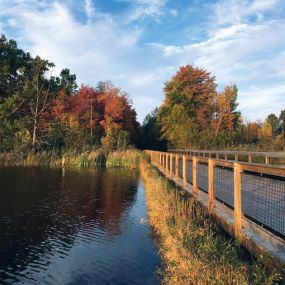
(176, 166)
(195, 188)
(236, 157)
(166, 166)
(171, 165)
(250, 158)
(211, 184)
(267, 160)
(184, 171)
(237, 199)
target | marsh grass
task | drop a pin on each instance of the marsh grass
(127, 158)
(194, 249)
(88, 159)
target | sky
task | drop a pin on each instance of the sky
(140, 44)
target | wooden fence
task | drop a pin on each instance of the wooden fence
(243, 156)
(247, 200)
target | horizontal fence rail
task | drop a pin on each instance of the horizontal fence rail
(242, 156)
(252, 192)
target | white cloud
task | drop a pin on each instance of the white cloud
(259, 102)
(235, 11)
(89, 9)
(110, 47)
(146, 8)
(241, 53)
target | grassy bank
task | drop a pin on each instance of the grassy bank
(90, 159)
(194, 249)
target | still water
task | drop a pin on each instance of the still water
(74, 227)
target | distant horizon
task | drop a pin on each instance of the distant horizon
(140, 44)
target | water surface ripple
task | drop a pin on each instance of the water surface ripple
(74, 227)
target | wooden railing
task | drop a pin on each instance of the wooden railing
(256, 191)
(243, 156)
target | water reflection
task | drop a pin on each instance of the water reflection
(74, 227)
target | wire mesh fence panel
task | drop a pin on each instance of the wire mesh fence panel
(202, 176)
(189, 171)
(224, 185)
(263, 200)
(180, 167)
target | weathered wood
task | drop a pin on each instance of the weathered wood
(237, 200)
(267, 160)
(264, 169)
(211, 184)
(171, 165)
(195, 186)
(176, 166)
(166, 167)
(184, 171)
(249, 158)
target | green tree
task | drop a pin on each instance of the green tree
(151, 132)
(273, 121)
(178, 128)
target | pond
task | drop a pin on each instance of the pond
(74, 227)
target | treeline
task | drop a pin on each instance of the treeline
(39, 111)
(195, 115)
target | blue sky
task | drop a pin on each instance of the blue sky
(139, 44)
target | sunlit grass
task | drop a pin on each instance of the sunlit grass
(125, 158)
(194, 249)
(88, 159)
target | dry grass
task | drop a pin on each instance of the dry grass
(126, 158)
(194, 249)
(88, 159)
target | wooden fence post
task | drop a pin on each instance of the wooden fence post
(211, 184)
(166, 167)
(267, 160)
(184, 171)
(250, 158)
(176, 166)
(237, 199)
(195, 187)
(171, 165)
(236, 157)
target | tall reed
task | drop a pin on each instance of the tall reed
(126, 158)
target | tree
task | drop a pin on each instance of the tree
(282, 124)
(273, 121)
(178, 128)
(12, 60)
(37, 93)
(151, 132)
(118, 110)
(88, 110)
(265, 132)
(225, 105)
(193, 90)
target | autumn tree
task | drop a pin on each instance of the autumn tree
(88, 111)
(193, 90)
(225, 116)
(119, 120)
